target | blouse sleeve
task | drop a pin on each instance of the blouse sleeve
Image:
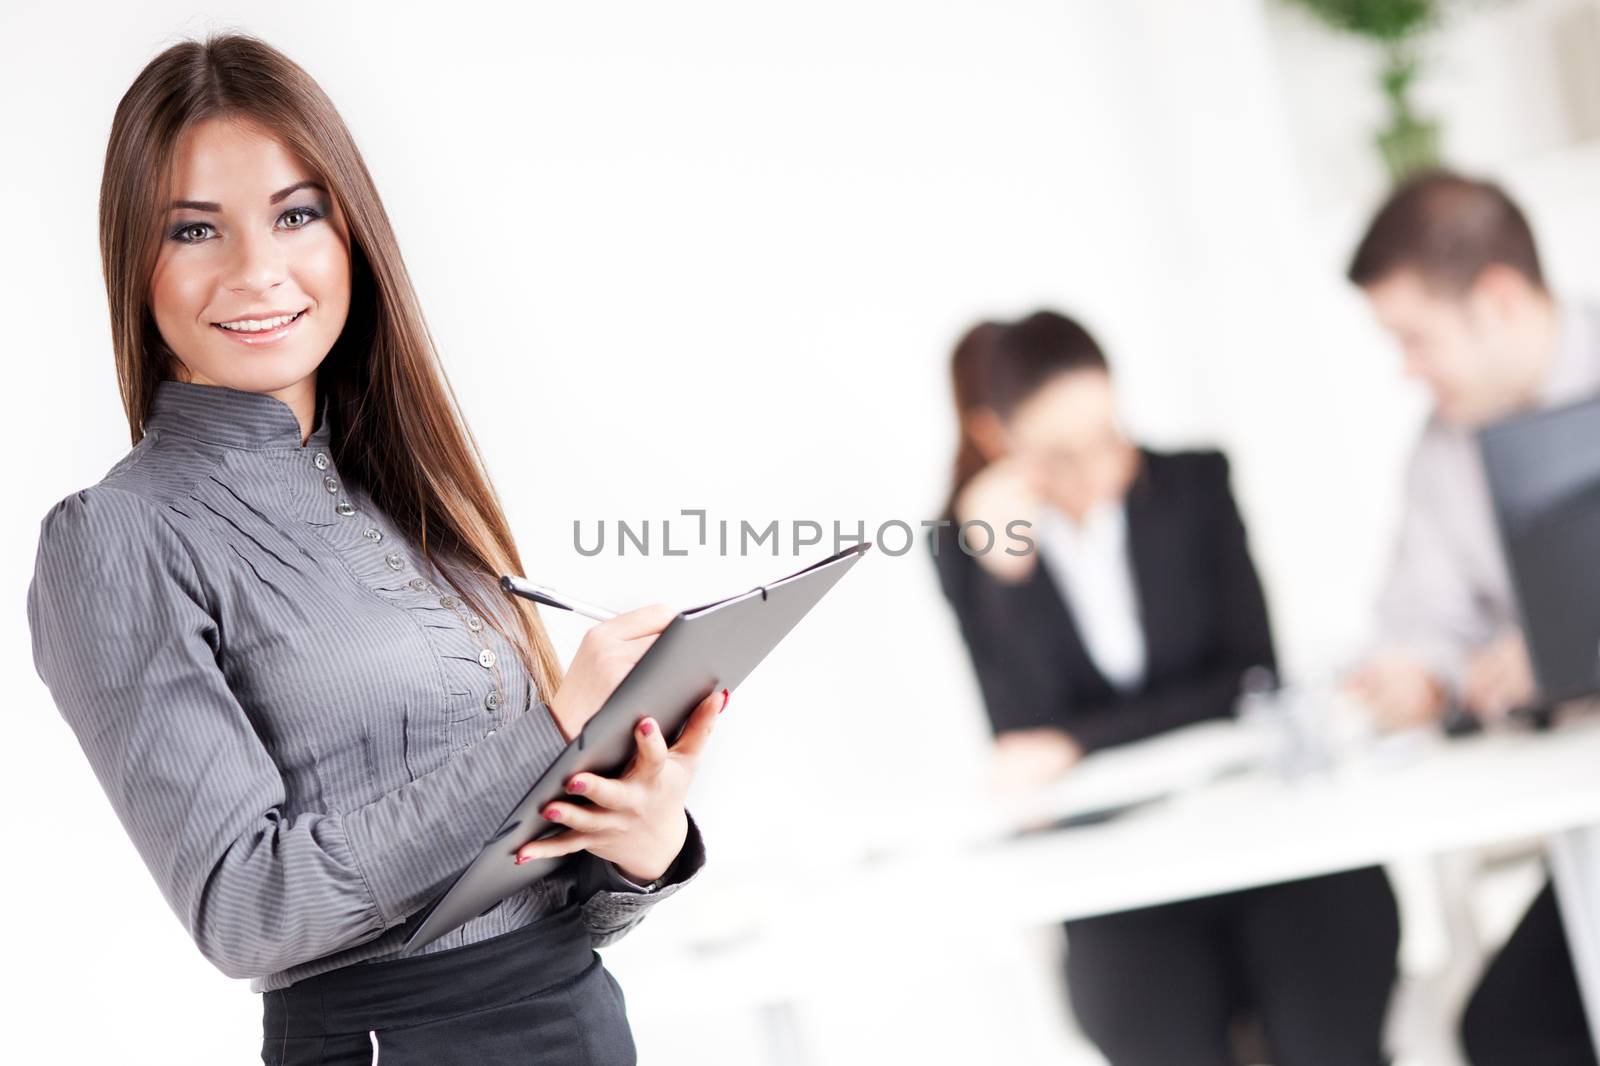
(124, 640)
(619, 903)
(1011, 703)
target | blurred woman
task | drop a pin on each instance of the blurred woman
(1129, 606)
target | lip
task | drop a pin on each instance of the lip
(264, 337)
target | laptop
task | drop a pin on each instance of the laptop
(1544, 478)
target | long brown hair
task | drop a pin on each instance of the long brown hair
(966, 380)
(1000, 364)
(395, 426)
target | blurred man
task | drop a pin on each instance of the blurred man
(1450, 268)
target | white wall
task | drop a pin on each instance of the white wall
(714, 255)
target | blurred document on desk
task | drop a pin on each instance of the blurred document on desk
(1151, 769)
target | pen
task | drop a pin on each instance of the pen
(521, 586)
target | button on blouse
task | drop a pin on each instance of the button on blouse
(298, 721)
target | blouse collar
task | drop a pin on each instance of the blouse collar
(233, 418)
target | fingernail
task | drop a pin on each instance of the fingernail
(551, 814)
(725, 699)
(576, 785)
(522, 859)
(647, 727)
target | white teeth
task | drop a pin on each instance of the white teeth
(258, 325)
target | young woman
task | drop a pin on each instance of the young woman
(275, 624)
(1138, 610)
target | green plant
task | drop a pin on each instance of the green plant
(1381, 20)
(1396, 27)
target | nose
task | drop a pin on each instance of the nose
(258, 263)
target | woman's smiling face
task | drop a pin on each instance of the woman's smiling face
(253, 237)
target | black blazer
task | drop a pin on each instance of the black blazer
(1200, 604)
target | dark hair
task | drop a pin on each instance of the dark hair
(1448, 228)
(998, 365)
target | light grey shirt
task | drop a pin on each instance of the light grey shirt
(304, 730)
(1448, 591)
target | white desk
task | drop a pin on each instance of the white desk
(1238, 832)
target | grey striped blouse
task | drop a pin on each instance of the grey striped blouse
(305, 732)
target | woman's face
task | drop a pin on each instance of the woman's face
(1069, 433)
(252, 237)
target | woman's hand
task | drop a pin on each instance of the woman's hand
(1030, 758)
(604, 657)
(999, 494)
(637, 821)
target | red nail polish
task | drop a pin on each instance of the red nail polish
(647, 727)
(522, 859)
(725, 699)
(552, 815)
(576, 786)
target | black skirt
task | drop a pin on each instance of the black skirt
(537, 995)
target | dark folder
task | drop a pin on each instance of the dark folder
(701, 650)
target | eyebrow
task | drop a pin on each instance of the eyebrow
(212, 205)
